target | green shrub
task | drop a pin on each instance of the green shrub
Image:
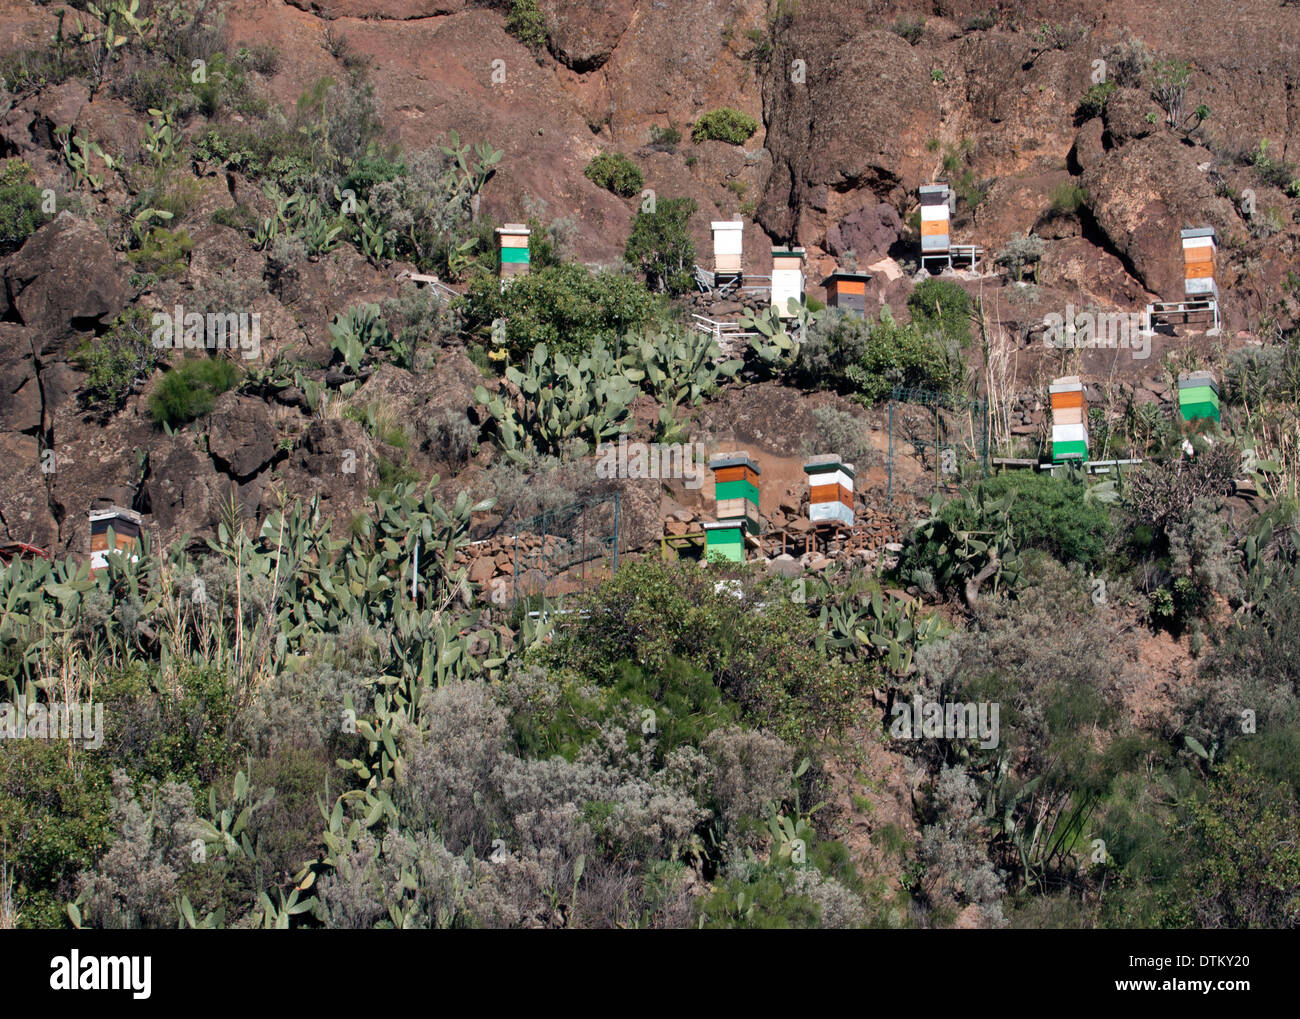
(20, 204)
(852, 354)
(664, 138)
(942, 305)
(164, 252)
(1021, 251)
(565, 307)
(191, 389)
(840, 432)
(1068, 198)
(764, 659)
(724, 125)
(980, 22)
(909, 28)
(527, 23)
(1095, 99)
(661, 247)
(1050, 514)
(118, 362)
(614, 172)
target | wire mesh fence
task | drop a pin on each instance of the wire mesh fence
(947, 437)
(567, 549)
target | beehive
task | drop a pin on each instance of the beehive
(735, 482)
(1198, 396)
(512, 240)
(787, 278)
(725, 540)
(830, 489)
(1198, 262)
(1069, 419)
(728, 244)
(126, 526)
(935, 241)
(847, 291)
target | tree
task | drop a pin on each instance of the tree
(661, 247)
(1245, 869)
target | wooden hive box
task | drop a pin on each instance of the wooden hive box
(787, 279)
(1198, 396)
(830, 489)
(728, 245)
(736, 487)
(1199, 252)
(1069, 419)
(127, 527)
(512, 242)
(847, 291)
(725, 540)
(935, 239)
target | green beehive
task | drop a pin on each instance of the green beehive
(1198, 396)
(725, 540)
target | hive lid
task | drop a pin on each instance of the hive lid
(1198, 231)
(110, 512)
(827, 462)
(841, 275)
(738, 458)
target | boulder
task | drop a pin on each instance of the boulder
(65, 278)
(860, 122)
(583, 33)
(1142, 194)
(868, 232)
(241, 435)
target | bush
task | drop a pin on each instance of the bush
(163, 252)
(724, 125)
(980, 22)
(909, 28)
(852, 354)
(661, 247)
(614, 172)
(664, 139)
(834, 342)
(1068, 198)
(765, 660)
(119, 361)
(1021, 251)
(1095, 99)
(191, 389)
(942, 305)
(1051, 514)
(527, 23)
(20, 204)
(565, 307)
(840, 432)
